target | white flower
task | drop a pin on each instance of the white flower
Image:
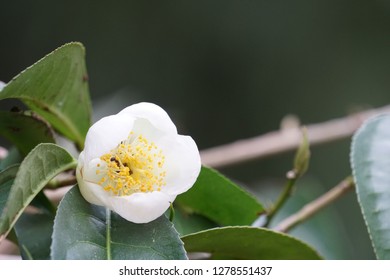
(136, 164)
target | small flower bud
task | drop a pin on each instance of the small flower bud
(302, 157)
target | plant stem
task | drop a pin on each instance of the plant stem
(291, 179)
(315, 206)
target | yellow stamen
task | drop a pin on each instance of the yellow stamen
(135, 165)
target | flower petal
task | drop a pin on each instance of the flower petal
(106, 134)
(183, 164)
(90, 172)
(141, 207)
(92, 192)
(153, 113)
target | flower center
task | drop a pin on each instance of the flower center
(135, 165)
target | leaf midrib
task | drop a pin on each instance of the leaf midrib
(108, 233)
(30, 197)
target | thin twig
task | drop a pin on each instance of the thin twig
(313, 207)
(286, 140)
(282, 198)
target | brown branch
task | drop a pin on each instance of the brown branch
(313, 207)
(286, 140)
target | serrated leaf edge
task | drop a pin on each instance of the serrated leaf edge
(362, 128)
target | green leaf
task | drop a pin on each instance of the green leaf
(7, 177)
(220, 200)
(56, 88)
(186, 223)
(43, 163)
(34, 233)
(86, 231)
(248, 243)
(25, 130)
(370, 160)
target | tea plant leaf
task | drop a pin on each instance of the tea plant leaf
(220, 200)
(85, 231)
(56, 88)
(248, 243)
(43, 163)
(370, 161)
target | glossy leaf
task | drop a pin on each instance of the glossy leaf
(370, 160)
(186, 223)
(220, 200)
(34, 233)
(86, 231)
(248, 243)
(36, 170)
(25, 130)
(56, 88)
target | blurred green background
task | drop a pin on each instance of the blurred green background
(226, 70)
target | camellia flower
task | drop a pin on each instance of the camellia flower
(135, 163)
